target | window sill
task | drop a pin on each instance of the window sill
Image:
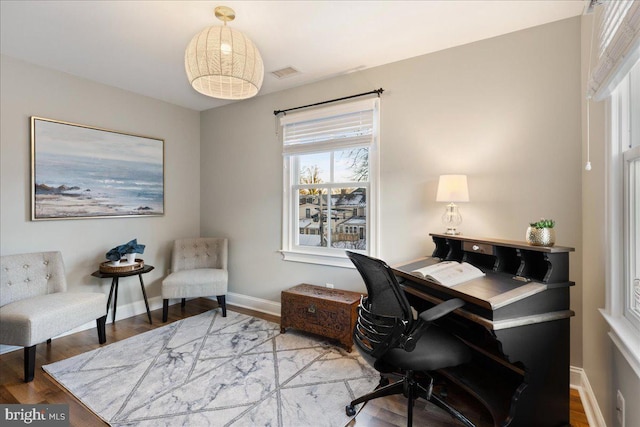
(626, 338)
(310, 258)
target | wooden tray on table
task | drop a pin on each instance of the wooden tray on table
(107, 267)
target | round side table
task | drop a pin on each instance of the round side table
(115, 276)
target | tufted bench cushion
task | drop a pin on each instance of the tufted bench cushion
(195, 283)
(36, 319)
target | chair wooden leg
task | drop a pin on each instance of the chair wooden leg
(102, 333)
(165, 309)
(183, 303)
(29, 363)
(222, 302)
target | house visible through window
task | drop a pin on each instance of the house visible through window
(330, 182)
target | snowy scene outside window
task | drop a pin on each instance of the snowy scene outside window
(332, 199)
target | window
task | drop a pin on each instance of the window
(623, 210)
(616, 79)
(330, 182)
(632, 234)
(627, 96)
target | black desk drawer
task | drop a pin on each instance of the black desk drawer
(480, 248)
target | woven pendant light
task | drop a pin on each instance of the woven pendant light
(224, 63)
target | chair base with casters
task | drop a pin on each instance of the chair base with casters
(394, 343)
(412, 389)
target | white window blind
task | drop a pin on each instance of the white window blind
(612, 16)
(618, 39)
(344, 126)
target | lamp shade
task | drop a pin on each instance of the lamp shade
(452, 188)
(224, 63)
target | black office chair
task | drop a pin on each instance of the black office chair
(389, 339)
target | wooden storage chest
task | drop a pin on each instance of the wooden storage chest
(331, 313)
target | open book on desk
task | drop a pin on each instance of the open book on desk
(449, 273)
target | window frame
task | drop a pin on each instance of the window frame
(290, 202)
(625, 329)
(631, 248)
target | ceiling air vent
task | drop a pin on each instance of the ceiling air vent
(283, 73)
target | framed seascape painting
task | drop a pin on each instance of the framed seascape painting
(80, 171)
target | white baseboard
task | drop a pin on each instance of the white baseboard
(8, 348)
(132, 309)
(579, 381)
(257, 304)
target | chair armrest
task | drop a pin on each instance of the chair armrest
(442, 309)
(408, 342)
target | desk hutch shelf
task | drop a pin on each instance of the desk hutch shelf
(539, 263)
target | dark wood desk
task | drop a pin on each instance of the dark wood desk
(115, 282)
(516, 319)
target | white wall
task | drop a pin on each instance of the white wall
(505, 111)
(625, 379)
(597, 347)
(30, 90)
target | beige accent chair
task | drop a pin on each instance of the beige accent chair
(35, 305)
(198, 269)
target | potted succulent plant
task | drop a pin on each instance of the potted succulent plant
(541, 233)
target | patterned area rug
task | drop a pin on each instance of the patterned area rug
(208, 370)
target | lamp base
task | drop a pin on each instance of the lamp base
(451, 219)
(452, 231)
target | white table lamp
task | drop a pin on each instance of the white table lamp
(452, 188)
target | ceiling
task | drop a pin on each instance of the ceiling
(139, 45)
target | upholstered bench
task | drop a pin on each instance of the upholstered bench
(34, 304)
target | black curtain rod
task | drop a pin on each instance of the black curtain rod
(376, 91)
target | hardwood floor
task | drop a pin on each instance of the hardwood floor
(385, 412)
(576, 411)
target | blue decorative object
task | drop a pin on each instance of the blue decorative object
(114, 255)
(131, 247)
(134, 248)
